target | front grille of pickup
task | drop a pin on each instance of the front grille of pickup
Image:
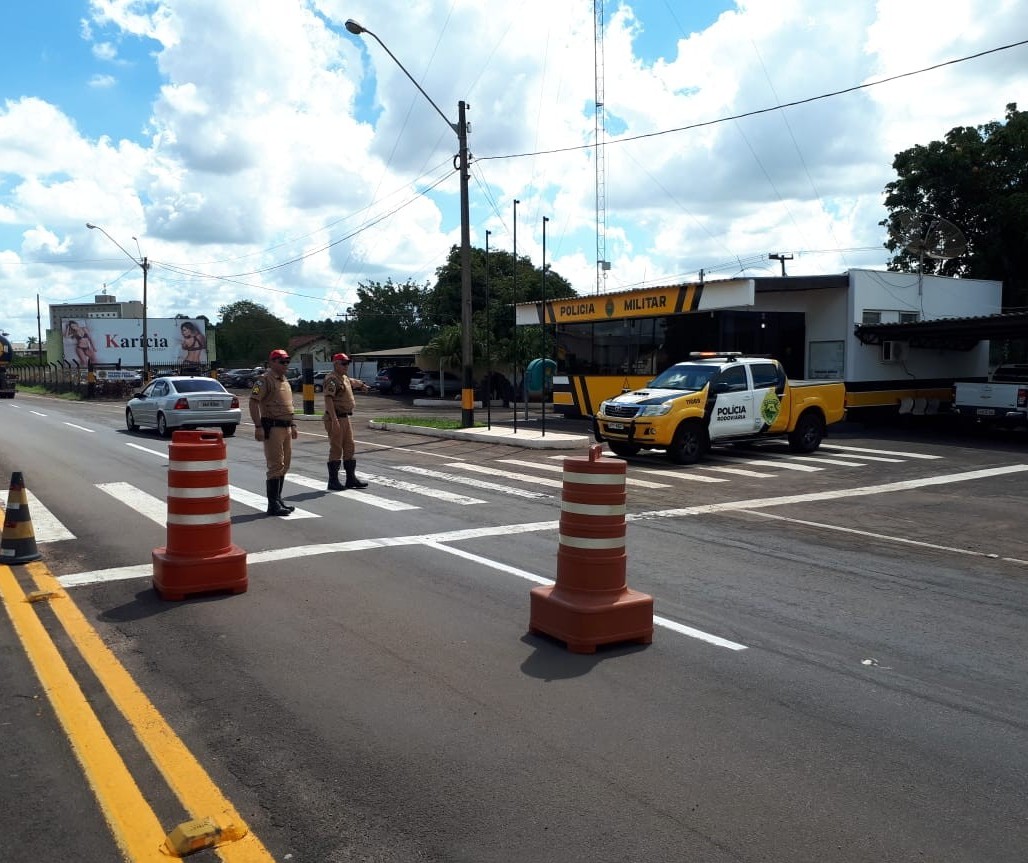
(622, 411)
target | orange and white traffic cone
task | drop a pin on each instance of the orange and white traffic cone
(19, 539)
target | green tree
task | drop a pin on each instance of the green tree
(976, 178)
(248, 332)
(494, 292)
(387, 315)
(332, 329)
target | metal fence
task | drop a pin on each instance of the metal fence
(91, 382)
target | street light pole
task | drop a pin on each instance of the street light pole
(546, 343)
(145, 264)
(488, 345)
(460, 128)
(514, 298)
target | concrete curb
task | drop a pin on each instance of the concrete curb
(526, 438)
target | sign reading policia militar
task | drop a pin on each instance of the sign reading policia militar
(645, 303)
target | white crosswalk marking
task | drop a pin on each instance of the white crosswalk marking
(861, 449)
(782, 465)
(363, 497)
(739, 471)
(474, 483)
(687, 475)
(260, 503)
(414, 488)
(815, 458)
(152, 507)
(156, 509)
(820, 459)
(45, 525)
(558, 468)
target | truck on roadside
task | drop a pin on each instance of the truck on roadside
(8, 376)
(719, 398)
(1002, 400)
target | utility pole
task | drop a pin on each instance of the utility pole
(778, 256)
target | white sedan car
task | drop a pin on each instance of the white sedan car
(180, 402)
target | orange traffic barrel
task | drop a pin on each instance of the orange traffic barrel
(590, 603)
(199, 556)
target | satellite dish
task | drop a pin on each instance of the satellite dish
(929, 236)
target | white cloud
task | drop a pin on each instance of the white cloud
(262, 146)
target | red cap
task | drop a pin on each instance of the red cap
(340, 358)
(278, 354)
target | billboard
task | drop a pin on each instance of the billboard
(103, 341)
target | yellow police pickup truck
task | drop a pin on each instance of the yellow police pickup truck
(719, 399)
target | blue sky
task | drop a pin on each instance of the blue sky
(259, 151)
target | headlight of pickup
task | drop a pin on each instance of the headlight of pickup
(655, 410)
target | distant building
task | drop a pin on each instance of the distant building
(319, 348)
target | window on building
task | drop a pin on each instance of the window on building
(871, 316)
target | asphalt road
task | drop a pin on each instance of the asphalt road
(837, 671)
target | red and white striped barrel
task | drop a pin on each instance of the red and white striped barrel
(590, 603)
(591, 555)
(199, 511)
(199, 556)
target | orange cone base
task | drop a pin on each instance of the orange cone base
(584, 622)
(176, 576)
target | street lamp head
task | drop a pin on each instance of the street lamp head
(354, 27)
(91, 227)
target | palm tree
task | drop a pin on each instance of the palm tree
(446, 348)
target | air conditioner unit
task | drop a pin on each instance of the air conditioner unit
(893, 352)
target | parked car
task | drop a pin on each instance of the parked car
(238, 378)
(319, 381)
(396, 379)
(178, 402)
(428, 385)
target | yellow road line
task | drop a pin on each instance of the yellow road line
(183, 773)
(136, 829)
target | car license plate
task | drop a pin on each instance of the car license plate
(209, 404)
(615, 426)
(986, 412)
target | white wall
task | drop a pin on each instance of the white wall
(931, 298)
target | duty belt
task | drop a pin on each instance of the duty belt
(280, 424)
(345, 414)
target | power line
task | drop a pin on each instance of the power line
(760, 111)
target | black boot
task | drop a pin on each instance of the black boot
(351, 476)
(282, 503)
(333, 476)
(275, 506)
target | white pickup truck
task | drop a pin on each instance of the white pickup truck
(1003, 400)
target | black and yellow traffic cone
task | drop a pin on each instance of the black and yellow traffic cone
(19, 540)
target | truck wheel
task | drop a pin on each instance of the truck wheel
(806, 437)
(688, 444)
(623, 449)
